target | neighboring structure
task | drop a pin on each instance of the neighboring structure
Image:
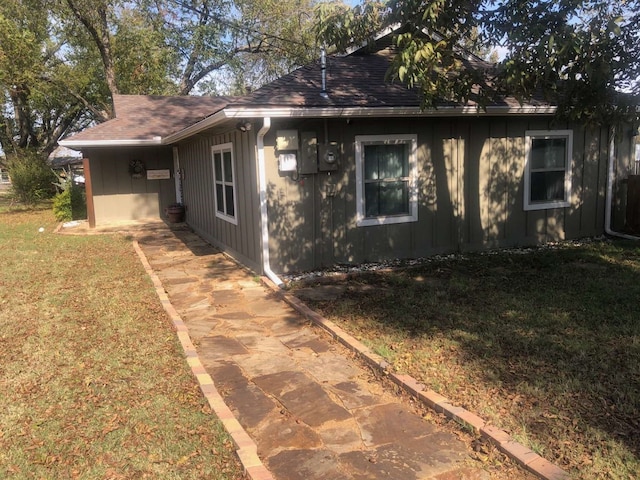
(64, 160)
(319, 168)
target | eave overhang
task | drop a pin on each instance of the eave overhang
(231, 113)
(79, 144)
(247, 112)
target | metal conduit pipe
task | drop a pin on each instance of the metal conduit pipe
(264, 218)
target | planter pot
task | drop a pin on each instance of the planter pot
(175, 213)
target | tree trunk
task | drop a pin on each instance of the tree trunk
(99, 31)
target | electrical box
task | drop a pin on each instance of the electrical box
(286, 140)
(308, 153)
(328, 157)
(287, 161)
(287, 150)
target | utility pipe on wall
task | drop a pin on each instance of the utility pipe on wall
(609, 198)
(264, 217)
(323, 72)
(177, 174)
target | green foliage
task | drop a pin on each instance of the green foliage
(70, 205)
(578, 55)
(43, 91)
(61, 61)
(62, 206)
(31, 178)
(339, 26)
(145, 66)
(280, 36)
(70, 201)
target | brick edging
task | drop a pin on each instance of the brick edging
(522, 455)
(246, 449)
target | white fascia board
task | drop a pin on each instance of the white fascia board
(79, 144)
(327, 112)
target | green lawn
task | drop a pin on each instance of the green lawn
(92, 379)
(544, 344)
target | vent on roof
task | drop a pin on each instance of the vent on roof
(323, 71)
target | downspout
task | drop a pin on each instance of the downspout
(264, 217)
(609, 198)
(177, 174)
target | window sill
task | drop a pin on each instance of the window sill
(227, 218)
(546, 206)
(369, 222)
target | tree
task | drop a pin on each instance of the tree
(94, 15)
(172, 46)
(62, 61)
(580, 54)
(36, 86)
(280, 35)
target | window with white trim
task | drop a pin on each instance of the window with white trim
(386, 179)
(547, 181)
(224, 179)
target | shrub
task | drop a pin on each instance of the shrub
(62, 206)
(31, 178)
(70, 202)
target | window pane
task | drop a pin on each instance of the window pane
(371, 199)
(548, 153)
(371, 154)
(547, 186)
(228, 190)
(219, 198)
(217, 161)
(228, 172)
(386, 198)
(394, 198)
(392, 163)
(385, 161)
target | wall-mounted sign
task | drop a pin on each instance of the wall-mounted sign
(158, 174)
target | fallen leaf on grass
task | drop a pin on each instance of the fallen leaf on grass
(186, 458)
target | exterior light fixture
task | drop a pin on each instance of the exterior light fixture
(244, 126)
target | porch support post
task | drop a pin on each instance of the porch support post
(91, 214)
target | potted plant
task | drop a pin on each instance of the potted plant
(175, 213)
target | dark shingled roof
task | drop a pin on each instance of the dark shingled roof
(352, 81)
(143, 117)
(357, 80)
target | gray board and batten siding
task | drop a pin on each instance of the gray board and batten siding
(119, 197)
(241, 240)
(470, 192)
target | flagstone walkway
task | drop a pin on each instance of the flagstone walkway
(313, 412)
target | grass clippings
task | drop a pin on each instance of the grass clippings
(544, 344)
(92, 378)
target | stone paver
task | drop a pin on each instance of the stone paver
(312, 412)
(238, 339)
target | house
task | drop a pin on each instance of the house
(63, 159)
(335, 165)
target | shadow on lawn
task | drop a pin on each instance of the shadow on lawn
(554, 331)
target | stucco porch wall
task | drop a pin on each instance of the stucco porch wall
(119, 197)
